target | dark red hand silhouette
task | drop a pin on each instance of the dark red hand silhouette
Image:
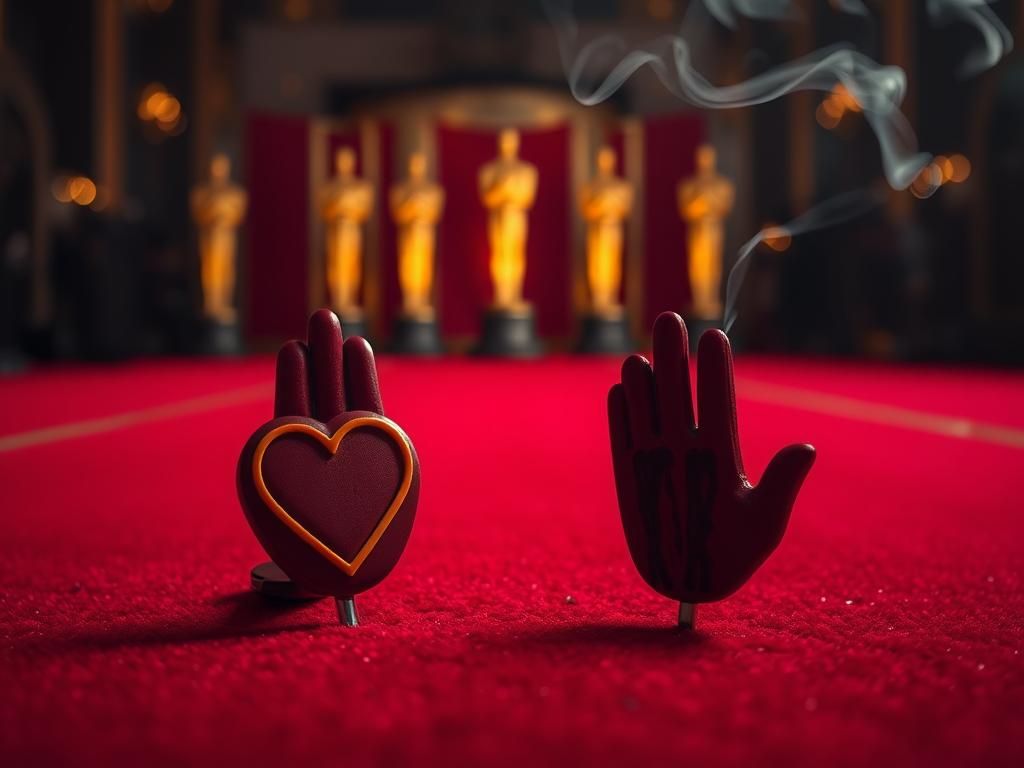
(324, 377)
(696, 529)
(324, 384)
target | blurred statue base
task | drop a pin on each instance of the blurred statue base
(221, 338)
(696, 326)
(509, 333)
(604, 334)
(417, 336)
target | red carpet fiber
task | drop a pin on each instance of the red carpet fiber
(887, 629)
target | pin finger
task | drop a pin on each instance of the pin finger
(618, 421)
(362, 392)
(672, 374)
(291, 391)
(716, 393)
(638, 386)
(325, 363)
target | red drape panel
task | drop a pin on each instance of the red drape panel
(669, 146)
(277, 178)
(463, 249)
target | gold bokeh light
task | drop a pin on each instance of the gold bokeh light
(945, 166)
(159, 108)
(926, 182)
(80, 190)
(954, 169)
(961, 168)
(777, 238)
(834, 107)
(826, 118)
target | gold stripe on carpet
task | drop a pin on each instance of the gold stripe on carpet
(878, 413)
(87, 427)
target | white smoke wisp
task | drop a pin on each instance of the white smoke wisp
(878, 89)
(833, 211)
(997, 38)
(726, 11)
(998, 41)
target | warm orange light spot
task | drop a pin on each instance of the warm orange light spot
(159, 107)
(833, 107)
(926, 182)
(150, 101)
(777, 238)
(169, 111)
(825, 120)
(961, 168)
(75, 189)
(945, 166)
(846, 98)
(155, 103)
(82, 190)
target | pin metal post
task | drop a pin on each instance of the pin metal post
(687, 615)
(347, 611)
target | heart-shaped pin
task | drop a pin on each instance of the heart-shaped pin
(332, 504)
(332, 444)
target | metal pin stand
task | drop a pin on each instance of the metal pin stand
(687, 615)
(347, 611)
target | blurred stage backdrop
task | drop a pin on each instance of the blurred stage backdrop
(111, 110)
(458, 130)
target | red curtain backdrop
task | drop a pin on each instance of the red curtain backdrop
(276, 162)
(277, 171)
(670, 143)
(465, 289)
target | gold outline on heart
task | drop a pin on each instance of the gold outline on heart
(332, 443)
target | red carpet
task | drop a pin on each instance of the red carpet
(887, 629)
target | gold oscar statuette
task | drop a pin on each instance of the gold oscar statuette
(218, 207)
(508, 187)
(346, 202)
(705, 200)
(604, 203)
(416, 206)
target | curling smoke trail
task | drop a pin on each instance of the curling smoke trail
(997, 38)
(833, 211)
(727, 10)
(878, 89)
